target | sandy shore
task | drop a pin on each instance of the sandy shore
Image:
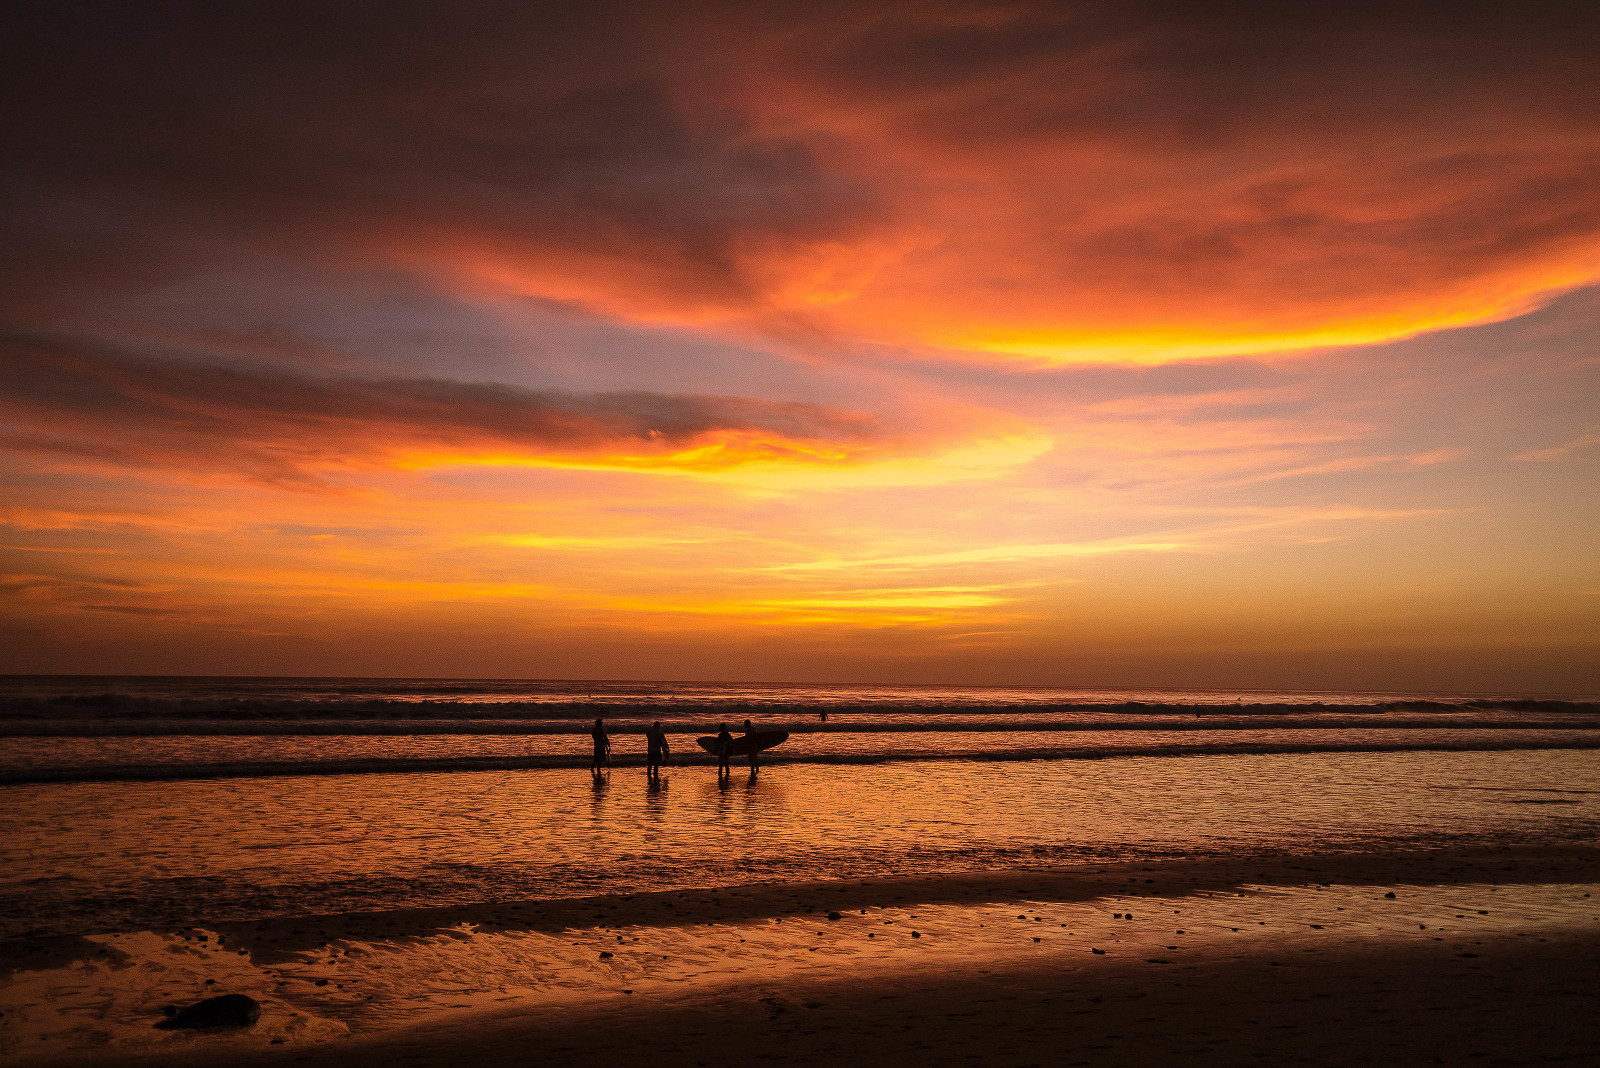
(1478, 954)
(1511, 1002)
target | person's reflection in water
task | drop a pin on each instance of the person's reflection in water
(724, 752)
(755, 754)
(656, 738)
(602, 749)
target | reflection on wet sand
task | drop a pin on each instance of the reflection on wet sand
(115, 856)
(348, 905)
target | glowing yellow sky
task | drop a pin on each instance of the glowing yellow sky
(975, 342)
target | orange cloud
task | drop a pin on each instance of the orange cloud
(96, 405)
(1063, 186)
(1019, 181)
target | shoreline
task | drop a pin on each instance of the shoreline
(733, 904)
(275, 938)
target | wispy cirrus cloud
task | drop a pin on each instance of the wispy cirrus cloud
(1557, 453)
(1204, 534)
(94, 403)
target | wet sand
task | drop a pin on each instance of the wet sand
(1295, 959)
(1514, 1002)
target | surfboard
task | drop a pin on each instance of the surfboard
(745, 744)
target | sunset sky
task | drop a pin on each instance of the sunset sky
(1091, 344)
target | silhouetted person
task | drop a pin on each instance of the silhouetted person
(755, 756)
(656, 738)
(824, 715)
(724, 750)
(602, 747)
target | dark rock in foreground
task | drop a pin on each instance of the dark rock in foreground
(229, 1010)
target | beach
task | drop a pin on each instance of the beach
(1304, 959)
(1406, 1007)
(1099, 886)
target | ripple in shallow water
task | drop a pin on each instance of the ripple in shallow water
(104, 856)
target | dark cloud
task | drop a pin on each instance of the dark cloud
(148, 135)
(930, 174)
(1147, 71)
(87, 401)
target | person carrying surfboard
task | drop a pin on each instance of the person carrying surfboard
(656, 738)
(725, 746)
(755, 746)
(602, 747)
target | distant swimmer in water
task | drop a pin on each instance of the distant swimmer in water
(656, 738)
(724, 750)
(755, 750)
(602, 748)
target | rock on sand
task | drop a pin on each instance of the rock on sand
(228, 1010)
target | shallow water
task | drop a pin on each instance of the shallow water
(95, 857)
(173, 756)
(220, 801)
(543, 691)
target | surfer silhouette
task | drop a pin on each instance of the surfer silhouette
(724, 749)
(656, 739)
(755, 747)
(723, 745)
(602, 747)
